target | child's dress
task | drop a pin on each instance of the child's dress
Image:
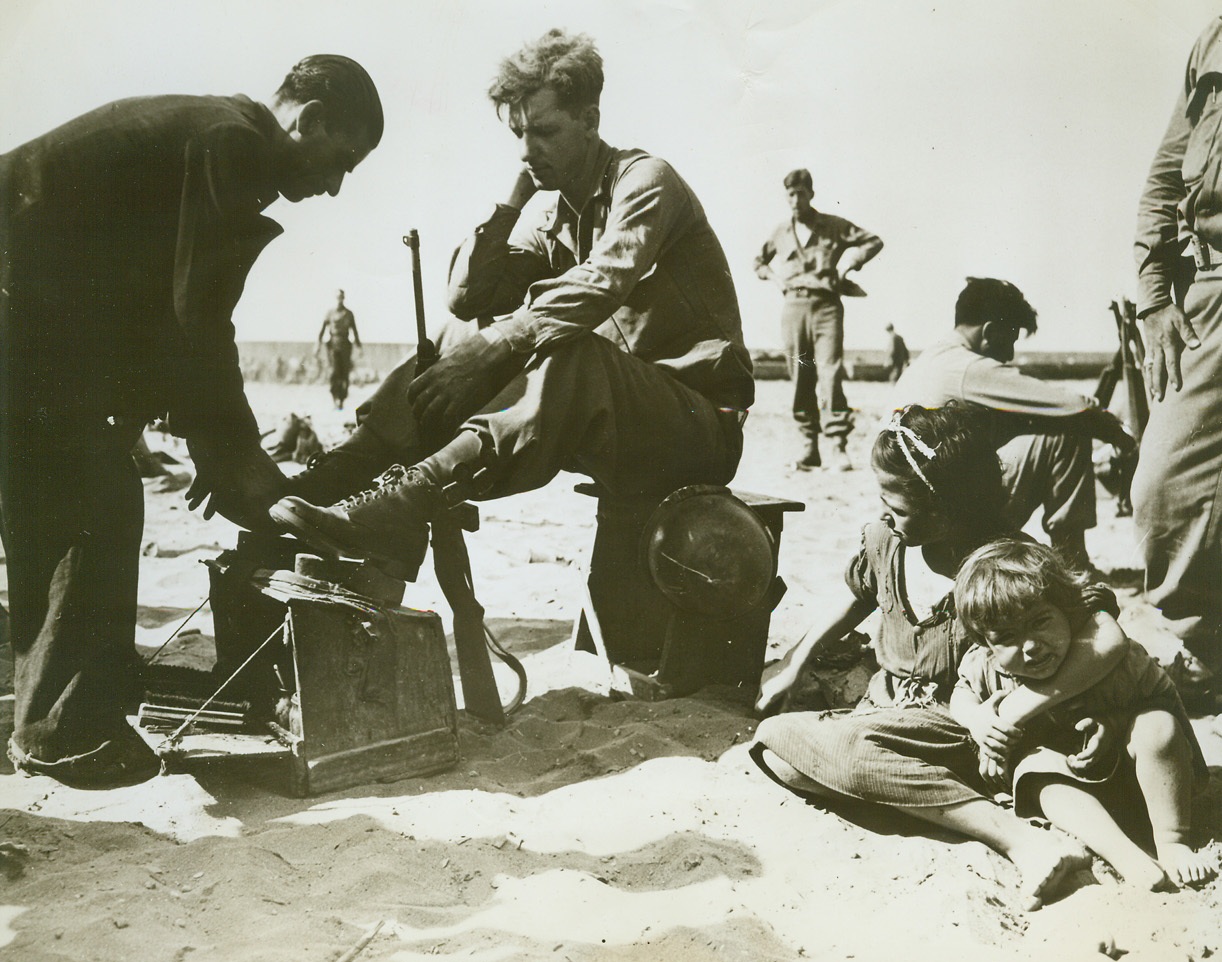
(1137, 683)
(900, 745)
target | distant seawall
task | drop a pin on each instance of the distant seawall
(297, 361)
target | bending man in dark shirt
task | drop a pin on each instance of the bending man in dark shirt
(127, 235)
(614, 299)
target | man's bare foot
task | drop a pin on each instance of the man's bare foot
(1185, 866)
(1046, 861)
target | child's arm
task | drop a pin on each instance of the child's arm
(996, 738)
(1094, 652)
(781, 678)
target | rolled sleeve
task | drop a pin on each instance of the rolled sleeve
(1158, 246)
(494, 267)
(763, 259)
(860, 576)
(1005, 388)
(862, 247)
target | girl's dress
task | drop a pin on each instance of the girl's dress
(899, 746)
(1137, 683)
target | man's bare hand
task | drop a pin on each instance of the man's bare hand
(1167, 332)
(1111, 430)
(459, 383)
(240, 484)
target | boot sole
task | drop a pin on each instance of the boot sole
(306, 531)
(323, 544)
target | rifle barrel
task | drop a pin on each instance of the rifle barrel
(426, 353)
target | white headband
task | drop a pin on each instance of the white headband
(905, 435)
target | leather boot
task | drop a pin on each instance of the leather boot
(386, 523)
(1071, 546)
(811, 459)
(345, 470)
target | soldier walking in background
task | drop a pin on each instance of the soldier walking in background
(897, 354)
(339, 334)
(810, 256)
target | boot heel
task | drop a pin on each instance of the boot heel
(393, 568)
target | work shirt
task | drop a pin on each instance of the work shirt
(1182, 201)
(636, 263)
(950, 370)
(813, 262)
(127, 236)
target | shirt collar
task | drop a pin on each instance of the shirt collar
(807, 218)
(262, 118)
(600, 186)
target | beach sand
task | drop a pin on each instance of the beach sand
(589, 828)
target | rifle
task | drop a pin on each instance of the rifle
(426, 350)
(472, 639)
(1116, 475)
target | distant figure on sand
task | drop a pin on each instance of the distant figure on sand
(1083, 762)
(340, 335)
(810, 256)
(897, 354)
(941, 490)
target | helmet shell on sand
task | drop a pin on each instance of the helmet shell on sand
(709, 553)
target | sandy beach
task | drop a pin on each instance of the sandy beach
(591, 827)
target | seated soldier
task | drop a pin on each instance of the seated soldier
(1042, 431)
(613, 302)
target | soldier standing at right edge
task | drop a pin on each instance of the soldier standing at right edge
(1176, 498)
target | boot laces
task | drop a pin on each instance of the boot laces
(383, 485)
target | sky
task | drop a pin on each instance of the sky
(1004, 138)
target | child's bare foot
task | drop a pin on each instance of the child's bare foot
(1046, 860)
(1183, 865)
(1146, 874)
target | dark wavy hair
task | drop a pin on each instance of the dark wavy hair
(986, 299)
(569, 64)
(345, 90)
(799, 178)
(962, 481)
(1000, 582)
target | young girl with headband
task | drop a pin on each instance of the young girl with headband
(942, 495)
